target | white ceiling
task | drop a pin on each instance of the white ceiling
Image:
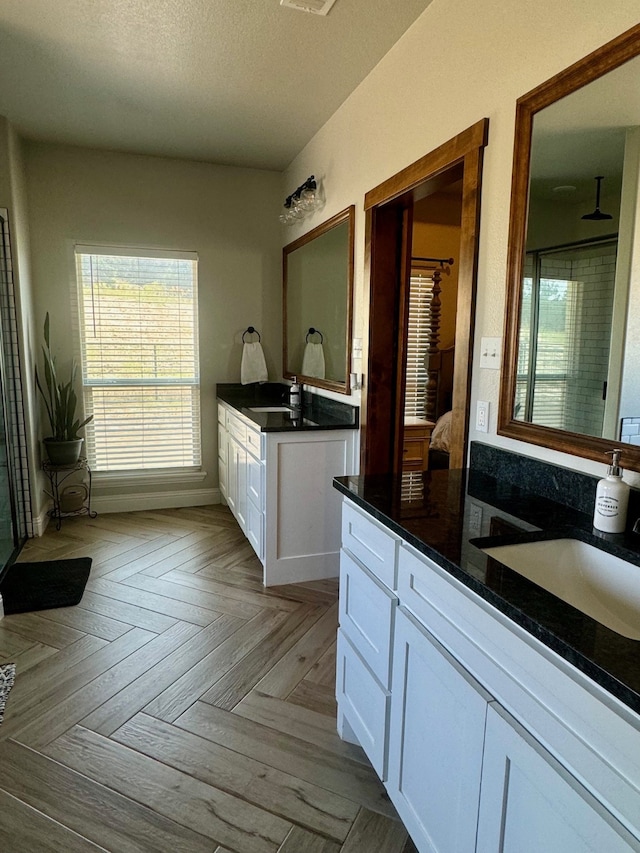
(238, 82)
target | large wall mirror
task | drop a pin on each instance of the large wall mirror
(317, 297)
(571, 369)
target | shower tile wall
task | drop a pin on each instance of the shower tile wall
(596, 269)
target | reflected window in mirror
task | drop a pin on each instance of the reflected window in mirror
(565, 337)
(317, 297)
(571, 369)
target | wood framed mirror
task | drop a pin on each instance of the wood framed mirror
(317, 293)
(571, 363)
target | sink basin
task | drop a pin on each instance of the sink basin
(269, 409)
(595, 582)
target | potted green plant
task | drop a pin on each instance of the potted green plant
(64, 444)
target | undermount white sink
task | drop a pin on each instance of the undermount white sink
(269, 409)
(595, 582)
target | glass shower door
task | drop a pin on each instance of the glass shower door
(15, 504)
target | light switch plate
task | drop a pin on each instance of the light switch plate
(490, 351)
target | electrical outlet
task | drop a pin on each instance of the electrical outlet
(490, 353)
(482, 416)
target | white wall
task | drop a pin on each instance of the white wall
(227, 215)
(462, 60)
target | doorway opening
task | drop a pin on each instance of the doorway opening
(422, 224)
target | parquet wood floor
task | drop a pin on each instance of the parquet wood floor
(180, 706)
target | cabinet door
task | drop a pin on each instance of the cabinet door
(237, 482)
(255, 528)
(438, 715)
(364, 702)
(255, 481)
(223, 454)
(530, 803)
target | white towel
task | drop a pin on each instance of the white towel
(253, 367)
(313, 360)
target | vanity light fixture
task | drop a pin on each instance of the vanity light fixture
(302, 201)
(597, 213)
(316, 7)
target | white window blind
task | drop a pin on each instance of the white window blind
(420, 293)
(140, 365)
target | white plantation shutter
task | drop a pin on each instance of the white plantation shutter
(420, 293)
(139, 340)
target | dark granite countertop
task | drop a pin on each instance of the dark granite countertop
(460, 510)
(316, 412)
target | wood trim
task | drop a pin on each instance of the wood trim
(606, 58)
(382, 241)
(346, 215)
(466, 305)
(611, 55)
(384, 208)
(439, 160)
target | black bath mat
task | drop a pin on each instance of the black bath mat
(41, 586)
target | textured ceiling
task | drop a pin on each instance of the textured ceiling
(241, 82)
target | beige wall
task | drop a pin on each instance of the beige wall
(461, 60)
(227, 215)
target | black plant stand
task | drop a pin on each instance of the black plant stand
(57, 475)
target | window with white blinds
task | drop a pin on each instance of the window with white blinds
(545, 375)
(420, 293)
(139, 350)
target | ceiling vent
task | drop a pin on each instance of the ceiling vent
(316, 7)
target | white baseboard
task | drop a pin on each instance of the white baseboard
(155, 500)
(137, 502)
(40, 522)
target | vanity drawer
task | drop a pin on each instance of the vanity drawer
(364, 703)
(373, 545)
(222, 416)
(254, 443)
(237, 429)
(367, 611)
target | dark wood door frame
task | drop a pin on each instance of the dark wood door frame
(385, 243)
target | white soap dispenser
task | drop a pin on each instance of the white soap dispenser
(612, 499)
(295, 393)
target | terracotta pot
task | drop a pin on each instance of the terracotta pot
(63, 452)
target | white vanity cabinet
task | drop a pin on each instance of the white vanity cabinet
(279, 487)
(486, 740)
